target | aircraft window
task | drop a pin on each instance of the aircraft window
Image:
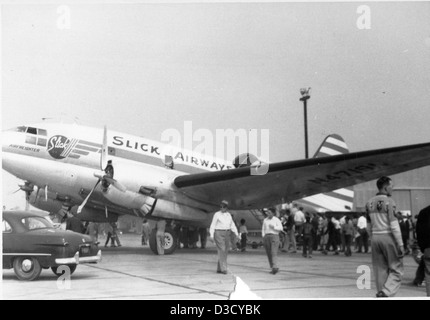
(19, 129)
(41, 142)
(5, 227)
(42, 132)
(32, 130)
(30, 139)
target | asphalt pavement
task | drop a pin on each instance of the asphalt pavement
(134, 272)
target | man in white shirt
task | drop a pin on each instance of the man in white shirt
(299, 220)
(221, 226)
(363, 240)
(270, 232)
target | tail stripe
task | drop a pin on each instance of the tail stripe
(337, 142)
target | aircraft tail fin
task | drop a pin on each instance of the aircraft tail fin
(332, 145)
(337, 200)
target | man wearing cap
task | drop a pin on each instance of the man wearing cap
(221, 226)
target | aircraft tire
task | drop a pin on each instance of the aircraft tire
(170, 240)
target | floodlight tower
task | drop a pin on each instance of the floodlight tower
(306, 94)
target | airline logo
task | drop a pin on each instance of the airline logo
(59, 147)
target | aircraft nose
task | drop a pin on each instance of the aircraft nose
(5, 140)
(10, 140)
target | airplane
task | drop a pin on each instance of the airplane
(340, 200)
(68, 165)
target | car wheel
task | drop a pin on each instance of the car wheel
(27, 269)
(170, 240)
(57, 272)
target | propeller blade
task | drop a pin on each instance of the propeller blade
(103, 157)
(115, 183)
(46, 193)
(37, 194)
(86, 199)
(106, 211)
(27, 204)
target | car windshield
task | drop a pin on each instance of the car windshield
(35, 223)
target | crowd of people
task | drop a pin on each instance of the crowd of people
(290, 229)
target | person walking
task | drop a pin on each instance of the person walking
(348, 233)
(221, 227)
(110, 236)
(146, 230)
(290, 238)
(423, 238)
(243, 231)
(387, 244)
(203, 234)
(322, 229)
(115, 235)
(308, 238)
(93, 231)
(405, 230)
(270, 232)
(363, 239)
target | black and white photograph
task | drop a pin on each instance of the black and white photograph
(215, 150)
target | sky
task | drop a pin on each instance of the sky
(143, 68)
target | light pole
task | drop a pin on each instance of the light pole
(306, 94)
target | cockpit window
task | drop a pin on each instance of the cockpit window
(30, 139)
(42, 132)
(32, 130)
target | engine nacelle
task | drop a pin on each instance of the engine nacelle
(172, 210)
(129, 199)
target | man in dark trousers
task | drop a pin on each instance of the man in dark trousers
(423, 237)
(73, 223)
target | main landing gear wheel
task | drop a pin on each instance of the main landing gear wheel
(72, 268)
(27, 269)
(170, 240)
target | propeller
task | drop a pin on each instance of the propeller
(106, 174)
(28, 188)
(103, 157)
(88, 196)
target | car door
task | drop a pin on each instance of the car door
(7, 243)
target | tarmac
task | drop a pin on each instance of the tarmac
(134, 272)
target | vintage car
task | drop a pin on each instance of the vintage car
(31, 243)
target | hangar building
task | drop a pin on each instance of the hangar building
(411, 191)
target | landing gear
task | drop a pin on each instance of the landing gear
(170, 240)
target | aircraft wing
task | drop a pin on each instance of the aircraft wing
(292, 180)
